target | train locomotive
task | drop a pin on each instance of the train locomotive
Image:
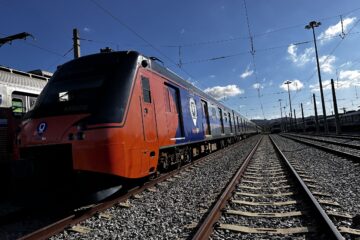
(123, 115)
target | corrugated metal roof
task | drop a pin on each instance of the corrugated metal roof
(18, 80)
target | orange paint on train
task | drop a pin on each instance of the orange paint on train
(129, 149)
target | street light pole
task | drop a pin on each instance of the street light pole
(287, 83)
(312, 25)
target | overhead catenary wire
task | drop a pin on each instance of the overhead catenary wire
(252, 51)
(331, 52)
(138, 35)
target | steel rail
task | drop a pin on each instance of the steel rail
(77, 217)
(326, 141)
(325, 221)
(326, 149)
(206, 227)
(341, 136)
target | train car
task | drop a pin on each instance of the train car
(125, 115)
(18, 93)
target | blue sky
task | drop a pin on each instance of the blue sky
(214, 44)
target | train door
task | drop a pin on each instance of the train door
(149, 126)
(230, 123)
(206, 120)
(148, 111)
(221, 121)
(173, 115)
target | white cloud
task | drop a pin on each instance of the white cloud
(212, 76)
(271, 83)
(326, 63)
(300, 59)
(295, 85)
(346, 80)
(247, 73)
(87, 29)
(258, 86)
(219, 92)
(336, 29)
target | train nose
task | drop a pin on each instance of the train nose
(51, 130)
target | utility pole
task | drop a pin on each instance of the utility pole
(295, 122)
(337, 120)
(76, 43)
(285, 119)
(302, 116)
(287, 83)
(316, 115)
(281, 120)
(312, 25)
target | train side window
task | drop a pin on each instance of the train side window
(146, 89)
(18, 105)
(213, 113)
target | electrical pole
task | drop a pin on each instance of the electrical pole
(76, 43)
(312, 25)
(337, 120)
(287, 83)
(295, 122)
(302, 116)
(316, 115)
(281, 120)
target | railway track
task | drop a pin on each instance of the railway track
(341, 136)
(71, 221)
(342, 149)
(344, 142)
(270, 197)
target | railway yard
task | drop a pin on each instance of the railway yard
(283, 186)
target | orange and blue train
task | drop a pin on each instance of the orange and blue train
(123, 114)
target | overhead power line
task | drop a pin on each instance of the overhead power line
(138, 35)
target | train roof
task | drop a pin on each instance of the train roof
(19, 79)
(171, 75)
(153, 63)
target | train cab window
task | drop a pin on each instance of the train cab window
(32, 101)
(18, 106)
(146, 89)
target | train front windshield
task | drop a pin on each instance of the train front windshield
(97, 84)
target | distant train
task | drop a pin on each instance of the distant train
(123, 114)
(349, 122)
(18, 93)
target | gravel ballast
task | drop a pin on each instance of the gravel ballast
(337, 176)
(174, 209)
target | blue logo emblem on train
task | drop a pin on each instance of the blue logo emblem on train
(41, 128)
